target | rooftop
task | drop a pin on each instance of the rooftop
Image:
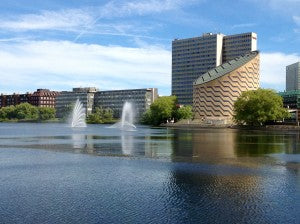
(226, 68)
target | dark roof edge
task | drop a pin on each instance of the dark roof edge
(225, 68)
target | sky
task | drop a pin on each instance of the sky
(114, 44)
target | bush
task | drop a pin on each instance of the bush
(100, 116)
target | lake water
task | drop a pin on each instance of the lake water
(50, 173)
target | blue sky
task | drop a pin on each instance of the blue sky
(115, 44)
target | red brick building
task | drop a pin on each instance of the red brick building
(14, 99)
(40, 98)
(43, 98)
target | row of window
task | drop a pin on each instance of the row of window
(193, 60)
(237, 37)
(190, 70)
(193, 42)
(193, 47)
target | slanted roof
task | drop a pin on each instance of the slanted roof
(225, 68)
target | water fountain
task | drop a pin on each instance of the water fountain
(78, 115)
(127, 118)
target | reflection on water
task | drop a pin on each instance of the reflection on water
(205, 145)
(127, 143)
(194, 176)
(79, 141)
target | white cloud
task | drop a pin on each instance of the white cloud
(76, 19)
(63, 64)
(58, 20)
(243, 25)
(297, 20)
(281, 7)
(273, 68)
(121, 8)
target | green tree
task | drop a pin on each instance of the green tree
(108, 115)
(26, 111)
(161, 109)
(256, 107)
(147, 117)
(46, 113)
(184, 112)
(100, 116)
(66, 111)
(7, 113)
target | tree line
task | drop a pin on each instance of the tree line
(26, 112)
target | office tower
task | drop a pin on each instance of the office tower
(193, 57)
(293, 77)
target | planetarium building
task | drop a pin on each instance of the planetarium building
(215, 92)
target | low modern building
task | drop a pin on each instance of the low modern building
(68, 98)
(114, 99)
(216, 91)
(291, 101)
(293, 77)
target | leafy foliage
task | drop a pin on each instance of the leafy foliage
(185, 112)
(165, 108)
(100, 116)
(26, 111)
(259, 106)
(46, 113)
(66, 111)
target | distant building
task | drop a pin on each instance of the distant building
(68, 98)
(193, 57)
(216, 91)
(291, 101)
(44, 98)
(40, 98)
(114, 99)
(14, 99)
(293, 77)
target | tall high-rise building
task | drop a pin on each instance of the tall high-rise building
(193, 57)
(293, 77)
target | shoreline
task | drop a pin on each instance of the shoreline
(238, 127)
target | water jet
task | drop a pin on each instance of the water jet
(78, 115)
(127, 118)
